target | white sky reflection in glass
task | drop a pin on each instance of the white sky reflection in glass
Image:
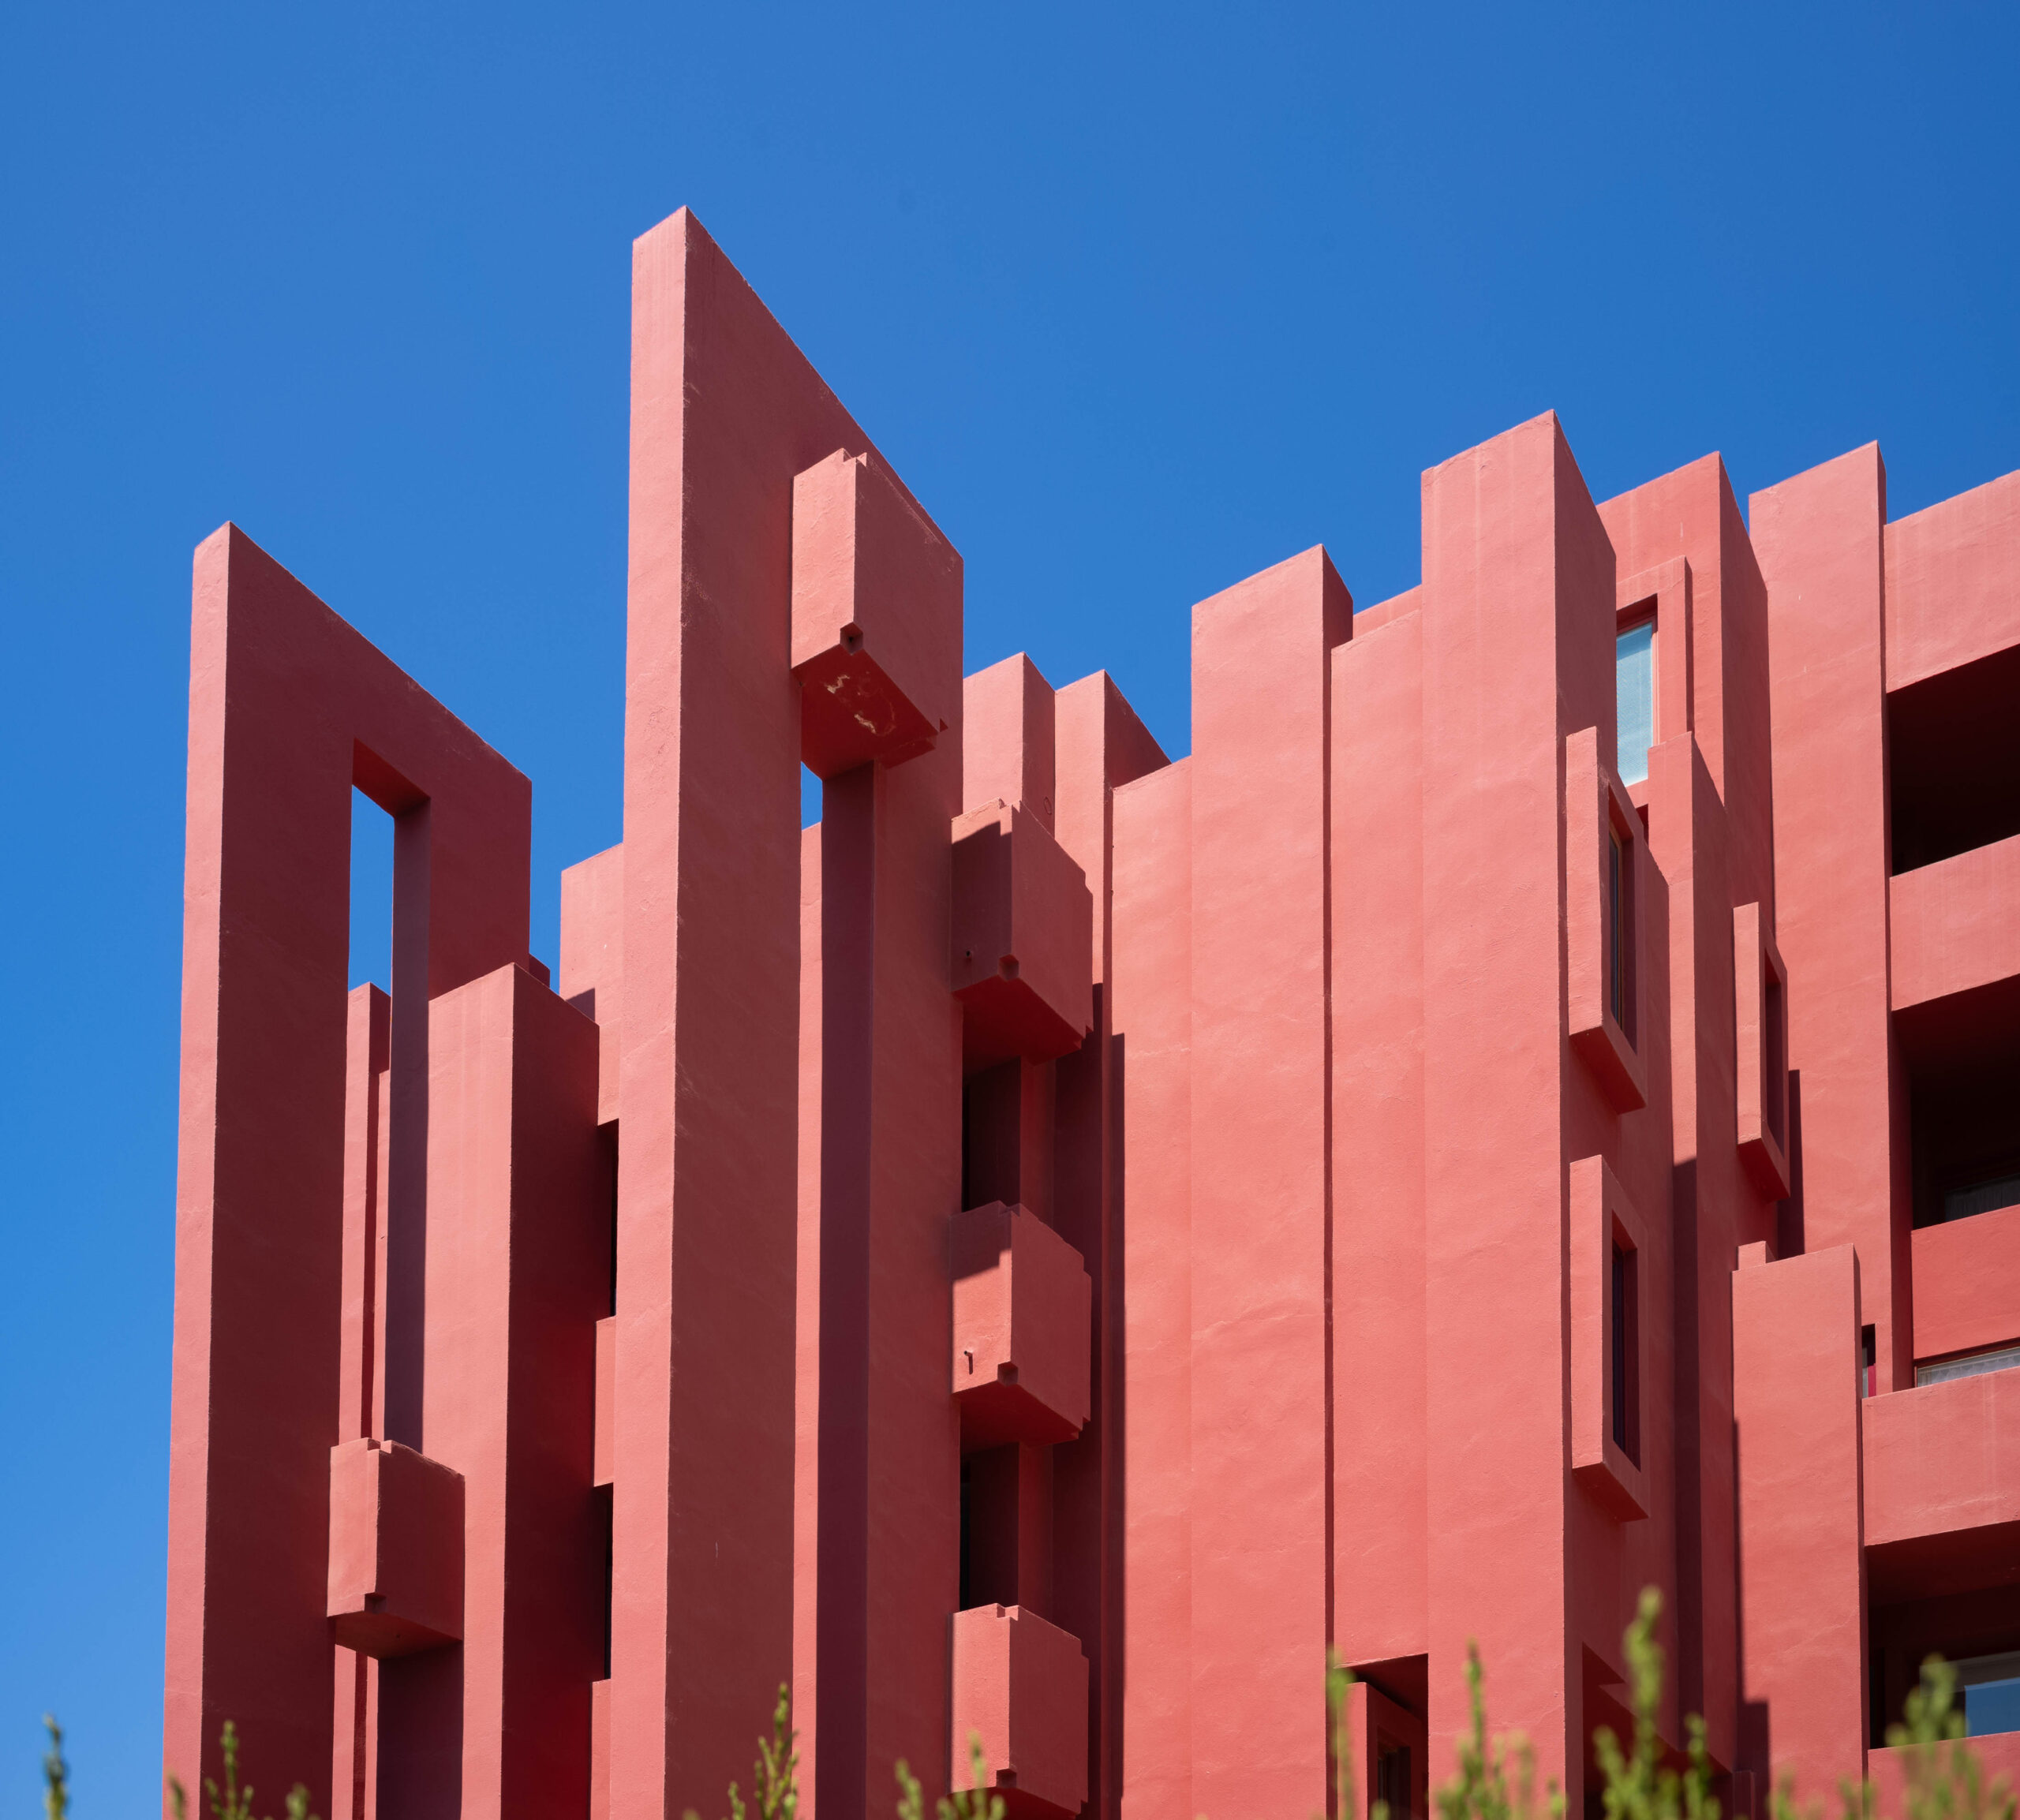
(1634, 690)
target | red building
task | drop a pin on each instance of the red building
(1529, 1109)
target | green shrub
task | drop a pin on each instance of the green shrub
(1493, 1781)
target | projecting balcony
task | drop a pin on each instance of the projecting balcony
(1942, 1487)
(396, 1549)
(1966, 1290)
(1955, 966)
(1955, 929)
(1020, 1690)
(1023, 1329)
(1942, 1522)
(1024, 939)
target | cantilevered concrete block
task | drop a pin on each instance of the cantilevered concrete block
(1020, 1695)
(876, 617)
(1760, 1051)
(1023, 939)
(1022, 1321)
(1602, 894)
(1009, 738)
(1608, 1293)
(396, 1548)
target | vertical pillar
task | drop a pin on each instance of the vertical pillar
(1151, 1047)
(288, 708)
(1820, 539)
(1681, 540)
(888, 1445)
(1100, 744)
(591, 973)
(518, 1269)
(1802, 1553)
(1262, 1122)
(725, 413)
(1379, 1214)
(1514, 557)
(359, 1372)
(877, 624)
(807, 1398)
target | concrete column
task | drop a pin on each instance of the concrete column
(289, 707)
(1515, 566)
(1379, 1215)
(1261, 1256)
(1152, 1048)
(1820, 539)
(725, 413)
(1801, 1544)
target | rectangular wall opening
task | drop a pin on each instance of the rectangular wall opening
(371, 894)
(1623, 987)
(1964, 1130)
(1392, 1782)
(1634, 699)
(1953, 761)
(1976, 1628)
(1624, 1367)
(1775, 1059)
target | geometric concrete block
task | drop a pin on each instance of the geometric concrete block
(1023, 1329)
(606, 1447)
(1760, 998)
(1610, 1300)
(876, 618)
(1024, 939)
(1020, 1689)
(1603, 840)
(396, 1549)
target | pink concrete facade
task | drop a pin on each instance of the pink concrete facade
(1525, 1111)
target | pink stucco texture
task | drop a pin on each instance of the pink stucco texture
(1048, 1254)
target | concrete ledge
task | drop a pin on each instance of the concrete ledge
(1967, 1284)
(1955, 925)
(1942, 1460)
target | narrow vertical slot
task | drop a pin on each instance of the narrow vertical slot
(371, 894)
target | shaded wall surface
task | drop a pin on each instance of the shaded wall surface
(1036, 1262)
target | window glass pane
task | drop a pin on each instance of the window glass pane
(1634, 693)
(1982, 1198)
(1991, 1688)
(1973, 1366)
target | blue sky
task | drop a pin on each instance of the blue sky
(1140, 300)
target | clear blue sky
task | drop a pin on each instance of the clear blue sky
(1139, 302)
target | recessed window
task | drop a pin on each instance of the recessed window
(1986, 1197)
(1953, 761)
(1868, 1361)
(1971, 1365)
(1990, 1686)
(1392, 1782)
(1626, 1396)
(1616, 930)
(1774, 1060)
(1634, 699)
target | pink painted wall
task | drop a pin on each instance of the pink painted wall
(1820, 539)
(1300, 1066)
(1153, 1041)
(1802, 1581)
(1260, 1240)
(1381, 1455)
